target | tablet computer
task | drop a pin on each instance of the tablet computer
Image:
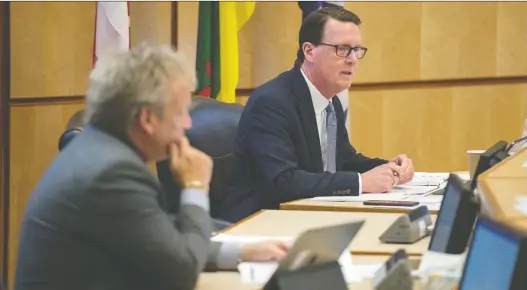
(320, 245)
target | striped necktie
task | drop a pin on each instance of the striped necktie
(331, 130)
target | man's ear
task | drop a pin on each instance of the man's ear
(309, 51)
(147, 120)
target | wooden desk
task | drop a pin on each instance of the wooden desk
(499, 186)
(511, 167)
(232, 281)
(291, 223)
(352, 206)
(311, 205)
(502, 203)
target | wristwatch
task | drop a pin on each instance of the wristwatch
(196, 184)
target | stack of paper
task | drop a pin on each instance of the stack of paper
(260, 272)
(446, 267)
(521, 204)
(429, 178)
(381, 196)
(433, 202)
(249, 239)
(419, 189)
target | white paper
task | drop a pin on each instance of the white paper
(521, 204)
(430, 199)
(436, 263)
(261, 272)
(362, 197)
(521, 199)
(256, 273)
(433, 206)
(367, 271)
(383, 196)
(429, 178)
(521, 208)
(465, 176)
(248, 239)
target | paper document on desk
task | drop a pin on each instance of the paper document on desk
(429, 178)
(465, 176)
(432, 202)
(382, 196)
(441, 264)
(248, 239)
(261, 272)
(345, 258)
(362, 197)
(521, 203)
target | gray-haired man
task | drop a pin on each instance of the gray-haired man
(97, 219)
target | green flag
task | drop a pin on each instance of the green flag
(208, 50)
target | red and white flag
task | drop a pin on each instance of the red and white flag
(112, 28)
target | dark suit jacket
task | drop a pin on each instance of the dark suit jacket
(277, 151)
(97, 220)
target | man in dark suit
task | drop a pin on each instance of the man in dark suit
(292, 141)
(97, 219)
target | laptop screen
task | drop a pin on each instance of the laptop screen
(492, 258)
(446, 217)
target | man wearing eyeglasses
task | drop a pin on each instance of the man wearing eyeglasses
(292, 142)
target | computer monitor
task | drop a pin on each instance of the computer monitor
(456, 218)
(497, 258)
(489, 158)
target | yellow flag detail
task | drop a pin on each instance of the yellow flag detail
(233, 15)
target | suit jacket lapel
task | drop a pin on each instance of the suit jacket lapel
(307, 118)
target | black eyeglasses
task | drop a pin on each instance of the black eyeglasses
(343, 50)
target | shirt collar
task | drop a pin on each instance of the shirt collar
(319, 102)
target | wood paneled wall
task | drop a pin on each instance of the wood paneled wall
(408, 42)
(51, 46)
(4, 96)
(436, 125)
(439, 78)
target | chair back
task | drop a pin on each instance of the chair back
(214, 126)
(73, 128)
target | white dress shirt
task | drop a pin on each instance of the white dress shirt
(319, 104)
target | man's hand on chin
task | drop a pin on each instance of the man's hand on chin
(264, 251)
(406, 168)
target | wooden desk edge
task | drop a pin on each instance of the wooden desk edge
(366, 253)
(317, 207)
(241, 221)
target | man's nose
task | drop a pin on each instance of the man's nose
(352, 58)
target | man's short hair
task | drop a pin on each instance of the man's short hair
(313, 26)
(124, 82)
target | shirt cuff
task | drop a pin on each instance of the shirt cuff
(195, 197)
(360, 184)
(229, 256)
